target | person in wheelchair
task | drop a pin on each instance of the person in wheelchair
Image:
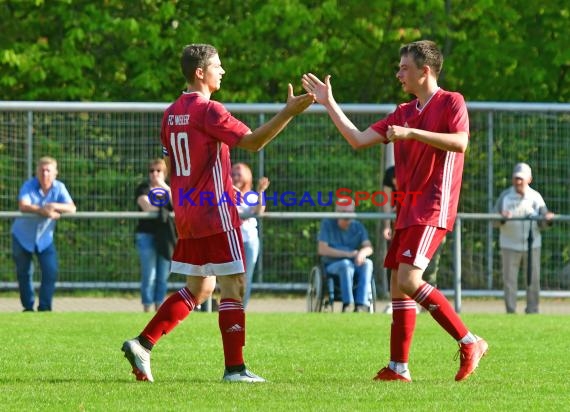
(344, 247)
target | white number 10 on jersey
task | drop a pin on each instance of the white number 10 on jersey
(181, 152)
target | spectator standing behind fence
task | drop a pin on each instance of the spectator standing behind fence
(154, 238)
(520, 200)
(197, 134)
(249, 203)
(48, 198)
(345, 248)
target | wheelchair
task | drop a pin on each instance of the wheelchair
(323, 290)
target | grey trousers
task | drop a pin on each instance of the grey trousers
(511, 260)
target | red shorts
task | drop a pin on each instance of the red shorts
(219, 255)
(414, 245)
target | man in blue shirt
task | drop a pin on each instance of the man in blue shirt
(47, 198)
(345, 247)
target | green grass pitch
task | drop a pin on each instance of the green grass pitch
(313, 362)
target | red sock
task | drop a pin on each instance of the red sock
(173, 311)
(402, 330)
(231, 319)
(441, 310)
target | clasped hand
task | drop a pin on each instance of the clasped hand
(50, 211)
(398, 133)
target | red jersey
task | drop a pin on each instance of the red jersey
(434, 175)
(197, 135)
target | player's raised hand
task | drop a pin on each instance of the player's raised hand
(322, 91)
(298, 104)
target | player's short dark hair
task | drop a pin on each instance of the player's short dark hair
(195, 56)
(424, 53)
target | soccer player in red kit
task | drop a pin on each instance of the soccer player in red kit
(430, 135)
(197, 134)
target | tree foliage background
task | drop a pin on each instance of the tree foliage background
(116, 50)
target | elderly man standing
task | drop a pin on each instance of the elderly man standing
(47, 198)
(520, 200)
(345, 247)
